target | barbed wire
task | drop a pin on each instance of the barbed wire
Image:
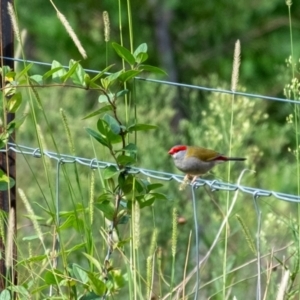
(176, 84)
(214, 185)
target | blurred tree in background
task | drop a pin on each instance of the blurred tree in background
(189, 39)
(186, 38)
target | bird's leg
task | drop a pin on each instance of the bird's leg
(188, 178)
(194, 179)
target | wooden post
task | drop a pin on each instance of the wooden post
(7, 159)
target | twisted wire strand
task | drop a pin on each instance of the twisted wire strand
(214, 185)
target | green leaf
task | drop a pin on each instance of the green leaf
(118, 278)
(9, 79)
(75, 248)
(53, 276)
(24, 71)
(72, 68)
(110, 172)
(56, 64)
(122, 93)
(93, 85)
(21, 291)
(79, 273)
(104, 99)
(98, 111)
(131, 148)
(15, 124)
(94, 261)
(105, 197)
(113, 124)
(51, 72)
(31, 259)
(101, 74)
(56, 76)
(14, 102)
(124, 53)
(97, 285)
(36, 79)
(68, 223)
(142, 48)
(159, 196)
(141, 57)
(107, 208)
(125, 160)
(98, 137)
(4, 70)
(125, 184)
(106, 131)
(141, 127)
(4, 136)
(127, 75)
(87, 80)
(148, 202)
(5, 295)
(102, 127)
(153, 186)
(5, 181)
(123, 218)
(78, 76)
(67, 213)
(152, 69)
(121, 180)
(114, 76)
(90, 296)
(107, 81)
(140, 186)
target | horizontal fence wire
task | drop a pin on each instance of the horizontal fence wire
(176, 84)
(214, 185)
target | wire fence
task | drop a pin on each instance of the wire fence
(214, 185)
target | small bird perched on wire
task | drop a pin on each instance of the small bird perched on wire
(195, 161)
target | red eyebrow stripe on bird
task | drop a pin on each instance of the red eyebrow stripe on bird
(175, 149)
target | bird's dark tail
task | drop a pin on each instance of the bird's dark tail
(225, 158)
(236, 158)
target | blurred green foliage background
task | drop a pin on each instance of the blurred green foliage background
(194, 42)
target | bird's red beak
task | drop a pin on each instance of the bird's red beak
(171, 152)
